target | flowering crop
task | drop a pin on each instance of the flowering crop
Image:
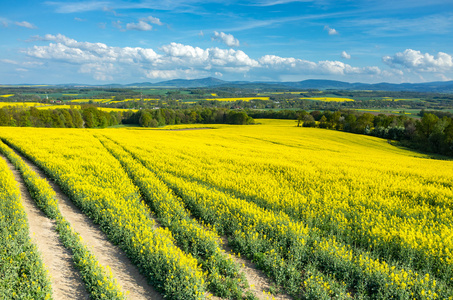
(98, 280)
(22, 273)
(97, 184)
(322, 213)
(223, 274)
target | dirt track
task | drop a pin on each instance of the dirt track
(123, 270)
(65, 279)
(256, 278)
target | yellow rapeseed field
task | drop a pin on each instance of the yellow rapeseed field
(65, 106)
(328, 99)
(238, 99)
(21, 104)
(326, 214)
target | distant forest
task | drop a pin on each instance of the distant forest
(91, 117)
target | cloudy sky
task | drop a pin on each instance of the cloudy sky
(112, 41)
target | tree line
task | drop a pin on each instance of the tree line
(86, 117)
(89, 116)
(433, 132)
(164, 116)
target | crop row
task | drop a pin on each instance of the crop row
(223, 275)
(253, 234)
(392, 208)
(259, 234)
(95, 181)
(99, 282)
(392, 226)
(23, 275)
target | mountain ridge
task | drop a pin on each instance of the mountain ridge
(319, 84)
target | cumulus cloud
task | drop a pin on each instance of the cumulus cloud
(417, 61)
(98, 58)
(99, 71)
(140, 26)
(345, 55)
(153, 20)
(25, 24)
(176, 60)
(227, 39)
(294, 65)
(331, 31)
(144, 24)
(207, 58)
(71, 51)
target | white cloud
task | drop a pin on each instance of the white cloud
(176, 60)
(99, 71)
(144, 24)
(178, 73)
(72, 7)
(345, 55)
(79, 19)
(22, 63)
(153, 20)
(331, 31)
(72, 51)
(417, 61)
(277, 2)
(25, 24)
(98, 58)
(140, 26)
(117, 24)
(207, 58)
(9, 61)
(294, 65)
(227, 39)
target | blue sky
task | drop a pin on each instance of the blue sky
(110, 41)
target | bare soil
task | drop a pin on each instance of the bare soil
(65, 279)
(108, 254)
(256, 278)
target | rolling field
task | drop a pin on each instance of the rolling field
(328, 99)
(246, 99)
(22, 104)
(325, 214)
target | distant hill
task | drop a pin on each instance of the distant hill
(436, 87)
(433, 87)
(428, 87)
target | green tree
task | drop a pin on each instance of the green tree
(145, 119)
(426, 125)
(77, 119)
(90, 121)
